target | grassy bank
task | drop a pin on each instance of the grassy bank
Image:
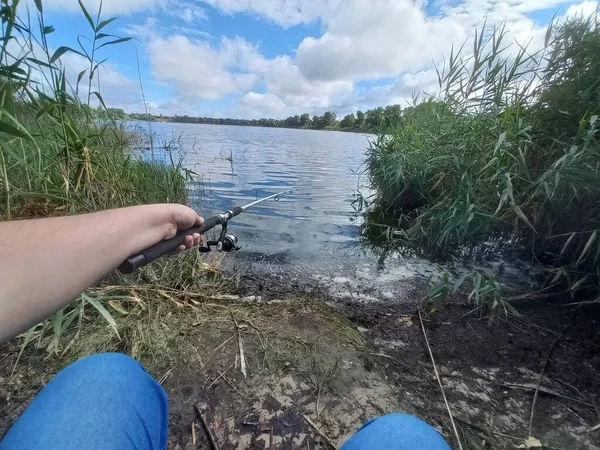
(507, 150)
(60, 154)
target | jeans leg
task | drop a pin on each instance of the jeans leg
(396, 432)
(105, 401)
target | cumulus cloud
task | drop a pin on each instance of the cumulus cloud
(197, 69)
(109, 7)
(360, 40)
(210, 71)
(188, 11)
(376, 38)
(403, 90)
(585, 9)
(259, 104)
(283, 12)
(117, 90)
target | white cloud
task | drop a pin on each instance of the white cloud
(361, 40)
(189, 11)
(376, 38)
(260, 104)
(283, 12)
(196, 68)
(117, 90)
(585, 9)
(109, 7)
(207, 71)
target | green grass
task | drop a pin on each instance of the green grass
(62, 154)
(509, 147)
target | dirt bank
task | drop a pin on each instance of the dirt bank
(340, 364)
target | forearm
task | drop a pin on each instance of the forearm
(46, 263)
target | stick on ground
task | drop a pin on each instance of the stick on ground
(240, 346)
(209, 435)
(542, 373)
(437, 375)
(319, 432)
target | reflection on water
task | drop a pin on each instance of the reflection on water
(313, 234)
(237, 165)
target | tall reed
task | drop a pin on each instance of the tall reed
(61, 151)
(509, 146)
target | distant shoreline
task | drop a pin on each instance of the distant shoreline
(169, 120)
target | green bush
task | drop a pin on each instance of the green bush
(509, 147)
(61, 155)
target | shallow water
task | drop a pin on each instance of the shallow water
(313, 234)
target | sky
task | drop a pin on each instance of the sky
(276, 58)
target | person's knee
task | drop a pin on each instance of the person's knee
(396, 431)
(105, 364)
(394, 419)
(108, 372)
(107, 394)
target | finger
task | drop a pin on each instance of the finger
(189, 241)
(197, 238)
(181, 248)
(199, 221)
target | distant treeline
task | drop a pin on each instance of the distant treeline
(370, 120)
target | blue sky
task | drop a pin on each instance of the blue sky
(274, 58)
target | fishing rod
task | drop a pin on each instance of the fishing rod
(225, 243)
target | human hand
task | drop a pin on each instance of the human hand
(182, 218)
(173, 218)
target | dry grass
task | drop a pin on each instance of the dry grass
(172, 314)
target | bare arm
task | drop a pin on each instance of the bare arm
(46, 263)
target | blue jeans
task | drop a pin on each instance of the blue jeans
(108, 401)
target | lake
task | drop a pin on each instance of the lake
(312, 234)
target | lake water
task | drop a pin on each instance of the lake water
(313, 234)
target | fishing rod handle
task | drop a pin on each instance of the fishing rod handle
(165, 247)
(162, 248)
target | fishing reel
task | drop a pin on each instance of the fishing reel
(226, 242)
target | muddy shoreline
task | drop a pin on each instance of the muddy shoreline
(342, 362)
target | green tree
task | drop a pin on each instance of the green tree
(317, 122)
(292, 122)
(391, 115)
(360, 120)
(374, 118)
(348, 121)
(329, 119)
(305, 120)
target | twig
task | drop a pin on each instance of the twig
(439, 380)
(318, 398)
(213, 352)
(230, 384)
(589, 302)
(209, 435)
(485, 430)
(319, 432)
(564, 383)
(597, 427)
(240, 346)
(166, 375)
(532, 387)
(193, 433)
(556, 333)
(221, 375)
(539, 383)
(271, 438)
(541, 377)
(595, 406)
